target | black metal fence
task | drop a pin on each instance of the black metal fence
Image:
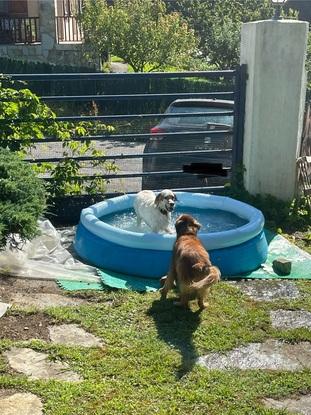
(19, 30)
(138, 152)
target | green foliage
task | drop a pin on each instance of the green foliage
(22, 198)
(8, 66)
(23, 117)
(138, 31)
(279, 215)
(218, 24)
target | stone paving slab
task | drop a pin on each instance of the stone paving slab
(19, 403)
(26, 286)
(268, 290)
(270, 355)
(290, 319)
(301, 405)
(44, 300)
(73, 335)
(36, 365)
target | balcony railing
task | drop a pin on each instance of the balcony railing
(19, 30)
(68, 29)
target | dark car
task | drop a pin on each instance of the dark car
(205, 124)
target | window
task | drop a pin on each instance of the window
(67, 26)
(19, 22)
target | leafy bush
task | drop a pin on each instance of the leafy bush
(24, 117)
(279, 215)
(22, 199)
(8, 65)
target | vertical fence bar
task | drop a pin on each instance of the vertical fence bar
(239, 116)
(16, 30)
(25, 40)
(36, 30)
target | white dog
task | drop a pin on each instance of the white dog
(154, 210)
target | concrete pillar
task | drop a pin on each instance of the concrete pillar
(47, 24)
(275, 53)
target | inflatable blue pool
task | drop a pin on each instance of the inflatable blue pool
(240, 248)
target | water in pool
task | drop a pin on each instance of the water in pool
(212, 220)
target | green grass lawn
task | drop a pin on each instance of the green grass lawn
(148, 363)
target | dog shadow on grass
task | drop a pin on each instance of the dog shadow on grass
(176, 326)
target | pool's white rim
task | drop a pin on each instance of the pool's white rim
(216, 240)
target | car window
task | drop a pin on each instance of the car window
(201, 119)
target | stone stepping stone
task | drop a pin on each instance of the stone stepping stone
(73, 335)
(288, 319)
(36, 365)
(270, 355)
(44, 300)
(301, 405)
(20, 404)
(269, 290)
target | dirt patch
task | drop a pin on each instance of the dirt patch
(7, 392)
(25, 327)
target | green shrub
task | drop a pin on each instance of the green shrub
(8, 65)
(22, 199)
(24, 117)
(280, 215)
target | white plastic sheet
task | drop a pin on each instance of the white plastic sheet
(46, 257)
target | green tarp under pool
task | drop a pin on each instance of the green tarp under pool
(278, 247)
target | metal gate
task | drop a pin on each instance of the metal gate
(181, 130)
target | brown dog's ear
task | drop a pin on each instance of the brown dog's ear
(179, 220)
(158, 199)
(180, 225)
(197, 224)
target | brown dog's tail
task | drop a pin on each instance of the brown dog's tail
(212, 277)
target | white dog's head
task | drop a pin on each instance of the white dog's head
(165, 201)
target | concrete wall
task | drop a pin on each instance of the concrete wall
(274, 52)
(33, 8)
(48, 50)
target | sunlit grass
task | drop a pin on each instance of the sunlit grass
(147, 364)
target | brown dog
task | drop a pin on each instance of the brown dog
(191, 267)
